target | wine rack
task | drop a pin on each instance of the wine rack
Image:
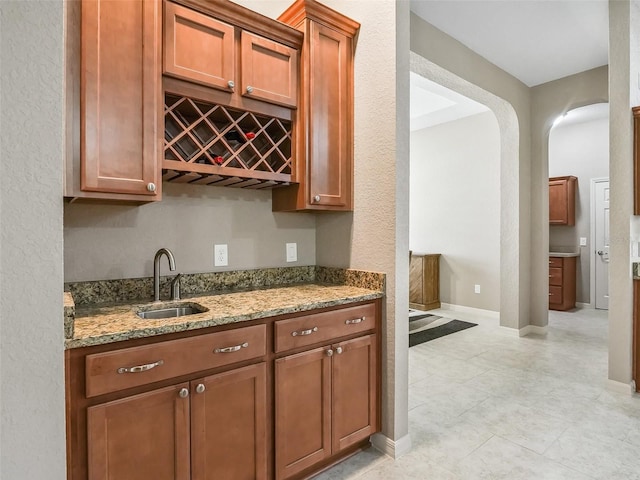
(211, 144)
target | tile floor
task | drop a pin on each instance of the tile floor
(486, 404)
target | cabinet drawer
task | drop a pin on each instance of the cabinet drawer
(555, 262)
(321, 327)
(555, 294)
(555, 276)
(131, 367)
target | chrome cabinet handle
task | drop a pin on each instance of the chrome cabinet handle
(249, 89)
(329, 353)
(231, 349)
(184, 393)
(231, 84)
(304, 332)
(140, 368)
(339, 350)
(355, 320)
(200, 388)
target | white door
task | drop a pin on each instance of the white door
(601, 246)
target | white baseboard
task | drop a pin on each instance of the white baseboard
(393, 448)
(526, 330)
(620, 387)
(584, 305)
(477, 311)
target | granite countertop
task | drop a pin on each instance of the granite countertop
(107, 324)
(635, 268)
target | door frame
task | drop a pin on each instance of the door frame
(592, 240)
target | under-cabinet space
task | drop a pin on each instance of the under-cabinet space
(210, 144)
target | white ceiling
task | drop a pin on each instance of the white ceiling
(587, 113)
(536, 41)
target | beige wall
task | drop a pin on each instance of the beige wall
(32, 428)
(548, 101)
(455, 206)
(116, 241)
(439, 57)
(581, 150)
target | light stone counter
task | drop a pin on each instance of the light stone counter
(100, 325)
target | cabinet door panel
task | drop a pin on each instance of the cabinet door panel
(269, 70)
(330, 112)
(197, 47)
(303, 411)
(120, 95)
(354, 416)
(228, 425)
(140, 437)
(558, 213)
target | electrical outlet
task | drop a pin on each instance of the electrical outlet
(292, 252)
(477, 289)
(583, 241)
(220, 256)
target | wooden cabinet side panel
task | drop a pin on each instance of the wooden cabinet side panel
(140, 437)
(354, 409)
(120, 95)
(416, 280)
(636, 160)
(228, 425)
(331, 98)
(303, 411)
(269, 70)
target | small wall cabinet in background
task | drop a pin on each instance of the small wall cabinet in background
(424, 281)
(562, 200)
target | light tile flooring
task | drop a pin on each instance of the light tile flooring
(486, 404)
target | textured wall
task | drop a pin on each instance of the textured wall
(624, 32)
(440, 58)
(115, 241)
(455, 206)
(548, 101)
(581, 150)
(32, 429)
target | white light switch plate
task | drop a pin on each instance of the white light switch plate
(477, 289)
(220, 256)
(583, 241)
(292, 252)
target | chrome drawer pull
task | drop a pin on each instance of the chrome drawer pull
(231, 349)
(355, 320)
(304, 332)
(140, 368)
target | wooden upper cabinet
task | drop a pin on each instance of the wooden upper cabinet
(198, 48)
(120, 95)
(269, 70)
(324, 171)
(140, 437)
(636, 162)
(562, 200)
(203, 49)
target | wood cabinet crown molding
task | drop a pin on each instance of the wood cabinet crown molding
(316, 11)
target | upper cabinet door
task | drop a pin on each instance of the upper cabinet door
(120, 97)
(198, 48)
(269, 70)
(562, 201)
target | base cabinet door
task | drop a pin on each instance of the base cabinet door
(354, 390)
(228, 425)
(140, 437)
(303, 411)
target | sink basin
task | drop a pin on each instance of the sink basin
(171, 312)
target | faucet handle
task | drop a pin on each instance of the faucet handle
(175, 287)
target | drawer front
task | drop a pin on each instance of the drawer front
(555, 276)
(555, 262)
(555, 295)
(321, 327)
(131, 367)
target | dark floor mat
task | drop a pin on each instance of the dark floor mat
(437, 332)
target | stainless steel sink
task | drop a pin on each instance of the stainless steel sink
(171, 312)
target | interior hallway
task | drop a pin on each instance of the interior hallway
(485, 404)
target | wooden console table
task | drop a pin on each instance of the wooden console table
(424, 281)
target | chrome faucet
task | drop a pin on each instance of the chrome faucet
(156, 270)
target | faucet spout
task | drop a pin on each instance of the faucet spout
(156, 270)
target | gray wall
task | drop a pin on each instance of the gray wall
(581, 150)
(455, 66)
(117, 241)
(32, 429)
(455, 206)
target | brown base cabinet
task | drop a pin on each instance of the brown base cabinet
(276, 398)
(562, 283)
